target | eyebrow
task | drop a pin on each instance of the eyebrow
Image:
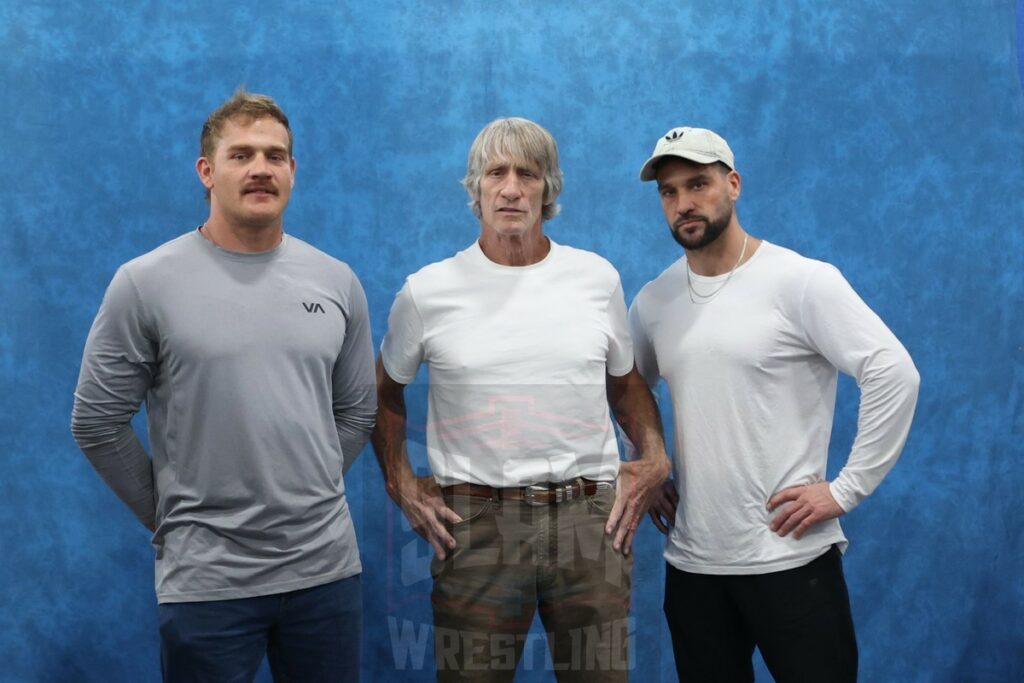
(516, 165)
(703, 176)
(248, 148)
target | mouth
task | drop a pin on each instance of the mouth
(688, 223)
(510, 210)
(261, 191)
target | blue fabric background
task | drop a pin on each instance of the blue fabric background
(884, 137)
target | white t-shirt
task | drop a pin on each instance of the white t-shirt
(517, 359)
(752, 377)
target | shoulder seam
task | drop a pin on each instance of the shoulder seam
(812, 271)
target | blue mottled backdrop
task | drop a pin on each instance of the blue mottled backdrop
(885, 137)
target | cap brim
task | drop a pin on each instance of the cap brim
(648, 171)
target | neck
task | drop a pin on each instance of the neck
(242, 238)
(722, 255)
(515, 250)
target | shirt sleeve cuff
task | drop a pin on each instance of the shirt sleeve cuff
(844, 496)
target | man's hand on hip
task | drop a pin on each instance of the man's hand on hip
(663, 506)
(810, 504)
(639, 485)
(423, 505)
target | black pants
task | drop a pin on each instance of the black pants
(798, 618)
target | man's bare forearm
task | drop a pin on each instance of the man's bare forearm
(640, 480)
(419, 498)
(389, 434)
(637, 413)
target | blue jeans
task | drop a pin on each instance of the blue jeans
(308, 635)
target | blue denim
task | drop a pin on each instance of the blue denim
(309, 635)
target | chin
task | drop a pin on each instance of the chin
(687, 241)
(518, 231)
(261, 220)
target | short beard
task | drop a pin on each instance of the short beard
(713, 229)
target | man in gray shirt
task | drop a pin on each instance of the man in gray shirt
(252, 351)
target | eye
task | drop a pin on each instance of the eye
(239, 155)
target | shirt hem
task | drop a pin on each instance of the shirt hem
(259, 591)
(765, 568)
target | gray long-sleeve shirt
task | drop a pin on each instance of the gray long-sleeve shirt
(257, 372)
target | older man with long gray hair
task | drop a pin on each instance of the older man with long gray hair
(527, 506)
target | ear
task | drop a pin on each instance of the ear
(204, 169)
(293, 170)
(735, 185)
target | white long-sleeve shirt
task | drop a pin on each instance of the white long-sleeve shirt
(752, 377)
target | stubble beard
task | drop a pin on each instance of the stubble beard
(713, 229)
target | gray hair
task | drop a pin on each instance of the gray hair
(515, 139)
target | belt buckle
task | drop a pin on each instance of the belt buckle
(530, 494)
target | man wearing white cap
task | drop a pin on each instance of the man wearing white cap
(749, 337)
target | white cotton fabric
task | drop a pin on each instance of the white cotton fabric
(517, 358)
(752, 376)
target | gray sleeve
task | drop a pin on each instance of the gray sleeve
(355, 391)
(118, 367)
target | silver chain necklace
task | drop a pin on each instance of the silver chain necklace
(707, 298)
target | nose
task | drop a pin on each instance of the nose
(511, 189)
(259, 168)
(684, 204)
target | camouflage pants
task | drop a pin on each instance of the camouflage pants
(512, 560)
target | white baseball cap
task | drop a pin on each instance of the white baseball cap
(696, 144)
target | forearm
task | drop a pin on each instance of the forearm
(354, 424)
(637, 414)
(639, 480)
(389, 433)
(118, 457)
(889, 391)
(388, 439)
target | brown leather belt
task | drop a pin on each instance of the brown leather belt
(537, 494)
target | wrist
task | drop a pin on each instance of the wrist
(399, 479)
